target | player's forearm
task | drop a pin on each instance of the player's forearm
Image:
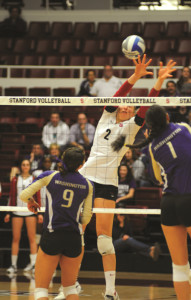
(124, 89)
(158, 84)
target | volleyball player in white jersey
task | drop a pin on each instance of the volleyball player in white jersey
(102, 164)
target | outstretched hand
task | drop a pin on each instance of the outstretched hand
(33, 206)
(140, 67)
(165, 72)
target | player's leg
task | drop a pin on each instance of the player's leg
(17, 224)
(176, 237)
(189, 232)
(104, 226)
(69, 272)
(44, 269)
(31, 232)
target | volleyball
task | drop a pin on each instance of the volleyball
(133, 46)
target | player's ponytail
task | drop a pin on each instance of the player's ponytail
(71, 159)
(156, 122)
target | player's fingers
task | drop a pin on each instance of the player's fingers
(161, 64)
(148, 63)
(144, 59)
(149, 73)
(169, 62)
(139, 59)
(135, 62)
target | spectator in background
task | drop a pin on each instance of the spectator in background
(46, 166)
(87, 84)
(124, 242)
(171, 89)
(127, 185)
(108, 85)
(54, 152)
(14, 26)
(35, 157)
(18, 184)
(56, 131)
(184, 83)
(136, 165)
(181, 115)
(82, 133)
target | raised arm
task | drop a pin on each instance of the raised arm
(140, 71)
(164, 73)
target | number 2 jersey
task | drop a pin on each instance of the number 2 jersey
(102, 164)
(65, 196)
(170, 156)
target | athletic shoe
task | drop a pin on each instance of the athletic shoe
(12, 269)
(114, 297)
(78, 287)
(61, 295)
(29, 267)
(157, 252)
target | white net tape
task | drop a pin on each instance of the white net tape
(95, 101)
(124, 211)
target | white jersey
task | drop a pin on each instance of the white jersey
(22, 183)
(102, 164)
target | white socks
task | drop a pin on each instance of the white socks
(110, 282)
(14, 260)
(33, 258)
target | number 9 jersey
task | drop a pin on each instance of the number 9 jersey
(65, 196)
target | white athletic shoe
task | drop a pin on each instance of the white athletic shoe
(12, 269)
(61, 295)
(29, 267)
(114, 297)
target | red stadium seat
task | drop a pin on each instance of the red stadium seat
(37, 73)
(184, 46)
(84, 29)
(107, 30)
(28, 60)
(8, 124)
(113, 47)
(38, 29)
(64, 73)
(61, 29)
(9, 59)
(69, 46)
(177, 29)
(93, 47)
(64, 92)
(6, 45)
(121, 60)
(150, 197)
(153, 29)
(40, 91)
(55, 60)
(136, 92)
(30, 125)
(130, 28)
(23, 46)
(79, 60)
(15, 91)
(46, 46)
(164, 46)
(102, 60)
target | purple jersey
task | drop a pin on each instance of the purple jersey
(65, 197)
(170, 155)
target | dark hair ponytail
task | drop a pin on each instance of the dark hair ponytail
(156, 122)
(71, 159)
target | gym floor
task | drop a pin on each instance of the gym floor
(130, 286)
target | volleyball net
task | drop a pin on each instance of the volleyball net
(19, 114)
